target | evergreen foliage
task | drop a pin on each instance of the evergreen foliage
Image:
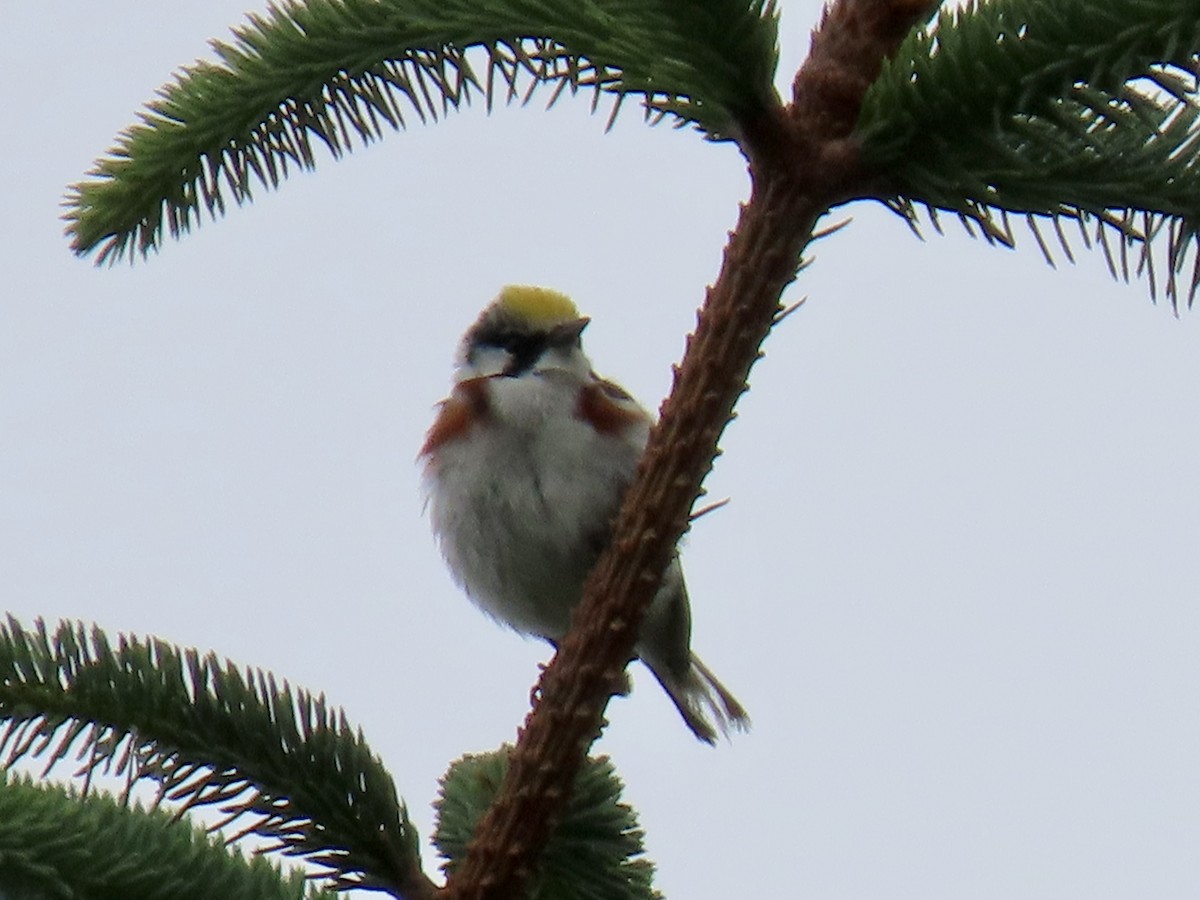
(58, 845)
(595, 851)
(277, 757)
(336, 71)
(1051, 111)
(1064, 111)
(208, 735)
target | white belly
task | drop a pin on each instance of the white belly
(522, 509)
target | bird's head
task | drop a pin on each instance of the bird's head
(525, 329)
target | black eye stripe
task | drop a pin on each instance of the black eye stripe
(523, 348)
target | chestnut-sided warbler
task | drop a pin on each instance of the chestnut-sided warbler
(525, 467)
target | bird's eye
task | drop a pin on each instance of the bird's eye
(521, 348)
(504, 340)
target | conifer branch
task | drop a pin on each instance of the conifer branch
(595, 851)
(55, 842)
(1078, 116)
(334, 73)
(274, 759)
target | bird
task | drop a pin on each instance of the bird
(524, 469)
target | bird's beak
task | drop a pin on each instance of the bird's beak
(568, 333)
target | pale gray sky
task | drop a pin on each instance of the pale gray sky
(956, 587)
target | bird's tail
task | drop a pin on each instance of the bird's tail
(705, 704)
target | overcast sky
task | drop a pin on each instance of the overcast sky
(956, 586)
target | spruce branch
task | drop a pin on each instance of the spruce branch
(595, 851)
(788, 196)
(1076, 116)
(55, 842)
(273, 759)
(340, 72)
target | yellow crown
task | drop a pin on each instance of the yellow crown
(536, 305)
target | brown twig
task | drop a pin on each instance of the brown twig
(416, 885)
(803, 161)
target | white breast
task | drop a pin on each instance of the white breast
(521, 505)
